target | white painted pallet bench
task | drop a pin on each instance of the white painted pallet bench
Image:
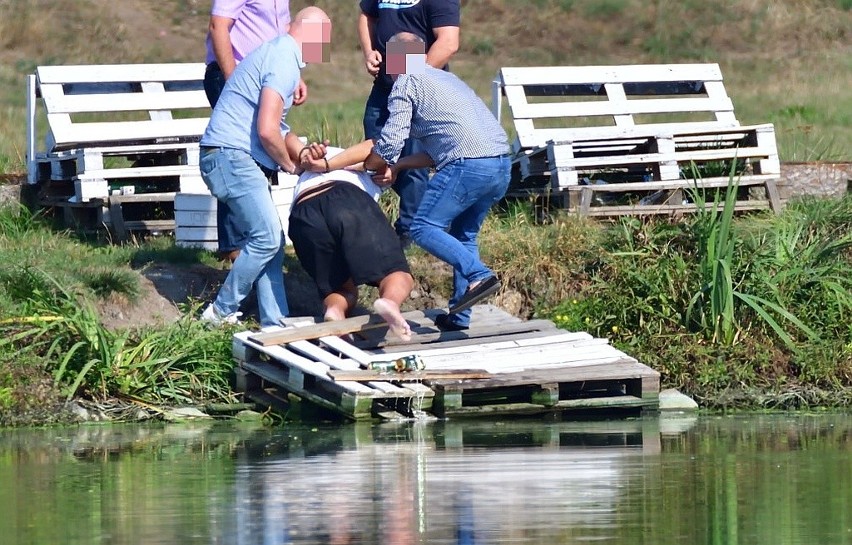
(111, 126)
(195, 214)
(662, 127)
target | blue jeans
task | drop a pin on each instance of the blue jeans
(235, 179)
(228, 231)
(410, 184)
(451, 214)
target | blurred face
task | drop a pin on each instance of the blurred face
(316, 40)
(405, 58)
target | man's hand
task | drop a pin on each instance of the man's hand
(312, 157)
(385, 176)
(300, 95)
(372, 61)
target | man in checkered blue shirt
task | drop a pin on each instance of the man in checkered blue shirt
(470, 152)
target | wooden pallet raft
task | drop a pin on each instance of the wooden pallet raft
(500, 366)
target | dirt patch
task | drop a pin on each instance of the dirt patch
(164, 288)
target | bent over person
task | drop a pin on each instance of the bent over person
(343, 240)
(243, 144)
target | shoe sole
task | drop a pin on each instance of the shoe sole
(485, 294)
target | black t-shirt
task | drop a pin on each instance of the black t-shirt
(418, 17)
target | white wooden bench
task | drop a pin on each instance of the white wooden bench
(637, 129)
(114, 135)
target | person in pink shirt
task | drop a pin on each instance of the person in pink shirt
(236, 28)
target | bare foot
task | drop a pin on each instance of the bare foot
(333, 314)
(389, 311)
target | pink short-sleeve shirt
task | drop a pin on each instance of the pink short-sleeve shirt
(255, 22)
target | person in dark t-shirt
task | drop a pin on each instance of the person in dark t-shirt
(436, 22)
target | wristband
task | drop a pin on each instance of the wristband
(327, 169)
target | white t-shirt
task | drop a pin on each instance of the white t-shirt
(358, 178)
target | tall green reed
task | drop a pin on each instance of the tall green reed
(714, 307)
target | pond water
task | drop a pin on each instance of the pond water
(779, 479)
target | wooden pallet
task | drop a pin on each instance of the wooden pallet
(529, 367)
(671, 125)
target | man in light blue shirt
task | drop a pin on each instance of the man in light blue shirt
(245, 141)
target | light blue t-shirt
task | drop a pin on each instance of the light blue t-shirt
(275, 64)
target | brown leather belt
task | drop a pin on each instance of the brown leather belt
(314, 191)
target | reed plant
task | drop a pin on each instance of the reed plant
(177, 363)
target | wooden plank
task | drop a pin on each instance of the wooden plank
(608, 211)
(539, 137)
(126, 131)
(621, 108)
(497, 343)
(624, 368)
(116, 218)
(519, 359)
(564, 75)
(415, 348)
(242, 348)
(139, 172)
(696, 183)
(473, 332)
(126, 102)
(324, 329)
(362, 359)
(315, 352)
(118, 73)
(663, 157)
(32, 129)
(370, 375)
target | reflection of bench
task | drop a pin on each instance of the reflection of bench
(649, 131)
(114, 126)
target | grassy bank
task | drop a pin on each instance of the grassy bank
(738, 312)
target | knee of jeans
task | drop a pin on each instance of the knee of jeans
(267, 244)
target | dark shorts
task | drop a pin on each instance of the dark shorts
(342, 234)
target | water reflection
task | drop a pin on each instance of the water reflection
(769, 479)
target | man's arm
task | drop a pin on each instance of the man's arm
(445, 46)
(367, 37)
(269, 113)
(387, 176)
(220, 37)
(314, 159)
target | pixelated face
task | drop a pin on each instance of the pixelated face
(317, 37)
(405, 58)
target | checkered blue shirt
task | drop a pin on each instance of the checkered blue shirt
(445, 114)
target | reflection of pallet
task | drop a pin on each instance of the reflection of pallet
(528, 368)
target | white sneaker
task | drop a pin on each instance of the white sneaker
(212, 316)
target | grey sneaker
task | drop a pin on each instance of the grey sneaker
(212, 316)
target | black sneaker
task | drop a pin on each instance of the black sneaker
(445, 323)
(484, 289)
